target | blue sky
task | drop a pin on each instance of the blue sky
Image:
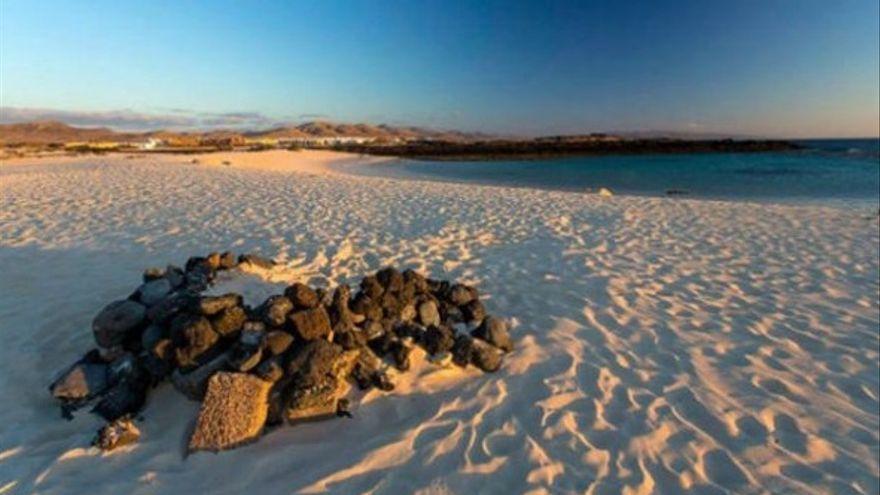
(774, 68)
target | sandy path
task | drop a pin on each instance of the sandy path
(663, 345)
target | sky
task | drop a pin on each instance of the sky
(774, 68)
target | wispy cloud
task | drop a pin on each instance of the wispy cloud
(131, 120)
(313, 116)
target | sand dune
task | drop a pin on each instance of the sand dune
(663, 346)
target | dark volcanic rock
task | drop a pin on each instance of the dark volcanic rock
(350, 339)
(278, 341)
(175, 276)
(317, 372)
(194, 383)
(372, 288)
(193, 336)
(302, 296)
(115, 323)
(390, 278)
(416, 280)
(229, 321)
(275, 310)
(124, 398)
(460, 294)
(168, 308)
(439, 339)
(213, 261)
(462, 350)
(245, 358)
(311, 324)
(211, 305)
(473, 311)
(485, 356)
(152, 335)
(228, 261)
(256, 260)
(400, 352)
(494, 331)
(270, 370)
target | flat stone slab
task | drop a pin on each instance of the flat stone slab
(233, 412)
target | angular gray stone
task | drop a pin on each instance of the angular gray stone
(114, 324)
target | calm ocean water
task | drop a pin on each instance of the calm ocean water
(826, 170)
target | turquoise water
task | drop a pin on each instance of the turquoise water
(827, 170)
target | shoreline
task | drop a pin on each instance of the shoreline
(329, 162)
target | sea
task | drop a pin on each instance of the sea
(846, 170)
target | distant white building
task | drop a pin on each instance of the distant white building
(325, 140)
(151, 144)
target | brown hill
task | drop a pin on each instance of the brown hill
(46, 132)
(50, 131)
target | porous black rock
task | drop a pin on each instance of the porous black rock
(302, 296)
(211, 305)
(311, 324)
(256, 260)
(117, 321)
(460, 294)
(371, 287)
(229, 321)
(473, 311)
(275, 310)
(485, 356)
(494, 331)
(277, 341)
(154, 291)
(438, 339)
(193, 336)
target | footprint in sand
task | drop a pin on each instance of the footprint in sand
(751, 431)
(721, 469)
(787, 433)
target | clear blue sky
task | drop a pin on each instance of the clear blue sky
(777, 68)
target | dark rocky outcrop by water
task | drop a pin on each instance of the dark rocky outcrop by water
(545, 148)
(290, 359)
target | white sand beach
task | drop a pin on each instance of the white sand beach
(662, 345)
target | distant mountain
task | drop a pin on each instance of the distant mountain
(330, 129)
(51, 131)
(45, 132)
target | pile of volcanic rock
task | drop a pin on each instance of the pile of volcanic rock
(287, 360)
